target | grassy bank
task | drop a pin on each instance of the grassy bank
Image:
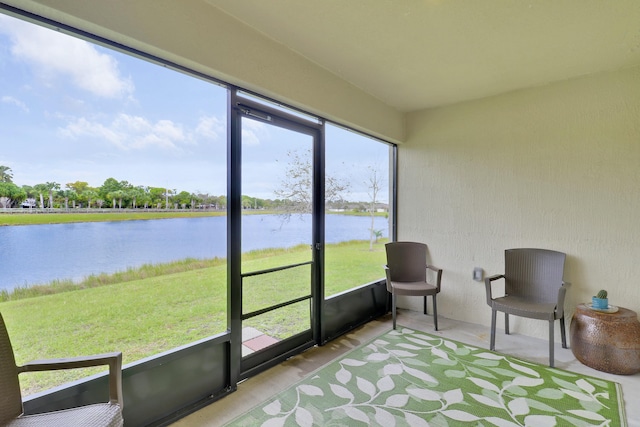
(145, 311)
(95, 280)
(101, 216)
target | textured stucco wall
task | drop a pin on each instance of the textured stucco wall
(555, 167)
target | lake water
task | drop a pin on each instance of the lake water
(40, 253)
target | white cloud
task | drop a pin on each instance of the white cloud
(13, 101)
(211, 127)
(84, 128)
(56, 54)
(252, 132)
(128, 132)
(249, 138)
(142, 133)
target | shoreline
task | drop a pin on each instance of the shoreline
(46, 216)
(62, 216)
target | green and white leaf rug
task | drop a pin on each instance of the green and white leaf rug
(410, 378)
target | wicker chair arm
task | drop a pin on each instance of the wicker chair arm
(439, 272)
(113, 360)
(561, 294)
(487, 286)
(387, 273)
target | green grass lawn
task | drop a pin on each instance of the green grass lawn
(149, 310)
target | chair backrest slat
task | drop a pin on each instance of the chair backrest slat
(407, 261)
(534, 274)
(10, 397)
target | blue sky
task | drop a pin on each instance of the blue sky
(74, 111)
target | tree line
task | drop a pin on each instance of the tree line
(111, 194)
(124, 195)
(294, 194)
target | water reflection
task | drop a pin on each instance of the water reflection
(41, 253)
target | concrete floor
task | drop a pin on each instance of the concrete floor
(259, 388)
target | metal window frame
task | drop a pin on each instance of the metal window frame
(165, 387)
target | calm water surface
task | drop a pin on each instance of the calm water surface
(40, 253)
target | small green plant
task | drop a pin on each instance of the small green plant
(600, 301)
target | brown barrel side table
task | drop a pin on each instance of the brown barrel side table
(608, 342)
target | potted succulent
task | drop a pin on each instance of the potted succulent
(600, 301)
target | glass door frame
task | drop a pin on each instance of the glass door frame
(240, 107)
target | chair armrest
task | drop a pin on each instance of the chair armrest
(387, 273)
(561, 294)
(487, 286)
(113, 360)
(439, 271)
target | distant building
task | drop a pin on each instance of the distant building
(29, 203)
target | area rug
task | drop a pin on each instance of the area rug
(410, 378)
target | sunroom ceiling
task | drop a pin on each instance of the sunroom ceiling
(417, 54)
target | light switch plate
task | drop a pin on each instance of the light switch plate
(478, 274)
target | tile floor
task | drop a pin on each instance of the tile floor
(259, 388)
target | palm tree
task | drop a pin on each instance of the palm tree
(90, 195)
(50, 187)
(135, 193)
(69, 194)
(40, 189)
(5, 174)
(144, 198)
(118, 194)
